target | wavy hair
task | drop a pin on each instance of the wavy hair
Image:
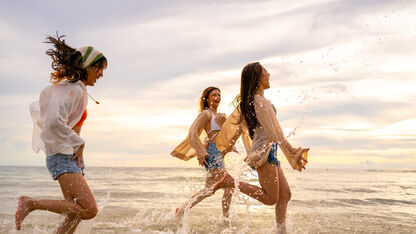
(250, 79)
(67, 61)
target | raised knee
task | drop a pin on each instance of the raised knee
(270, 202)
(90, 213)
(286, 196)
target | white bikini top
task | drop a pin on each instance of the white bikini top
(214, 124)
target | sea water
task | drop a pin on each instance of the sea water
(143, 200)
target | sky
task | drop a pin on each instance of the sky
(342, 75)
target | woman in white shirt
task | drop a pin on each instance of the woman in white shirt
(58, 117)
(259, 116)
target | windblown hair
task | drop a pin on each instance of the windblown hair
(203, 102)
(67, 61)
(250, 80)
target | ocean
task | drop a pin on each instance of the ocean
(143, 200)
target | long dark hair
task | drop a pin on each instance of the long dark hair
(250, 79)
(67, 61)
(203, 102)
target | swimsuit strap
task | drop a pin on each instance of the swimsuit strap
(215, 134)
(214, 125)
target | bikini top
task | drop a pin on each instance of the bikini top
(83, 118)
(214, 124)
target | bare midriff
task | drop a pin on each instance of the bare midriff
(213, 136)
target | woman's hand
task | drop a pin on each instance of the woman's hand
(77, 129)
(202, 161)
(78, 155)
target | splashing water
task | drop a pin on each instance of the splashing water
(305, 99)
(143, 200)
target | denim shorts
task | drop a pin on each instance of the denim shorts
(215, 159)
(271, 158)
(59, 164)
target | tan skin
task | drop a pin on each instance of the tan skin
(274, 188)
(79, 203)
(214, 175)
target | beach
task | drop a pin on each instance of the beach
(143, 200)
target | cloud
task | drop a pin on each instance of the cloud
(341, 72)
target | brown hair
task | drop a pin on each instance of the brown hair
(250, 79)
(203, 102)
(67, 61)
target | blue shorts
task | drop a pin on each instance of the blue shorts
(59, 164)
(215, 159)
(271, 158)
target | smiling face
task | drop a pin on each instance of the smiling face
(214, 99)
(94, 73)
(264, 79)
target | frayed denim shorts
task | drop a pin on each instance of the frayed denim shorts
(272, 157)
(215, 159)
(59, 164)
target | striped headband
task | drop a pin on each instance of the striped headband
(90, 55)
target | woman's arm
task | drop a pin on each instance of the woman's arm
(231, 130)
(194, 132)
(297, 157)
(267, 118)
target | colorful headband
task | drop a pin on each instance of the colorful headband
(90, 55)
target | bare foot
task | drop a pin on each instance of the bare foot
(225, 182)
(22, 210)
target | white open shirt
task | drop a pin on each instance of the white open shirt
(58, 110)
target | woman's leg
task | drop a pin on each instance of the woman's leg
(74, 186)
(196, 197)
(226, 201)
(71, 221)
(269, 182)
(213, 176)
(281, 206)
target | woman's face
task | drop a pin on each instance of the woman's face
(265, 78)
(214, 98)
(94, 73)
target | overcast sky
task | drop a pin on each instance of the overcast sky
(342, 74)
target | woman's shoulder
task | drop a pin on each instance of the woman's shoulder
(205, 113)
(76, 88)
(260, 99)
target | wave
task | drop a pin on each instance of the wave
(391, 201)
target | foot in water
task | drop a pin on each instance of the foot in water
(226, 182)
(22, 211)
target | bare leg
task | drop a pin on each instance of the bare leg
(226, 202)
(268, 178)
(28, 204)
(79, 203)
(281, 206)
(211, 179)
(69, 225)
(23, 209)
